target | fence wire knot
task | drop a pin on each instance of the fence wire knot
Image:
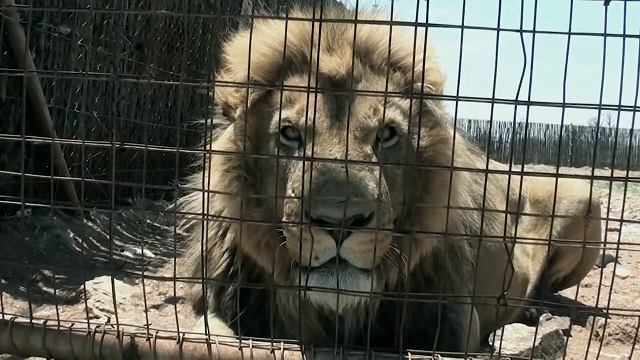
(69, 337)
(42, 341)
(155, 335)
(13, 344)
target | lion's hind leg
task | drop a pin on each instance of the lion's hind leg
(570, 264)
(575, 237)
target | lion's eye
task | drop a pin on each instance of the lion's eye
(290, 136)
(388, 136)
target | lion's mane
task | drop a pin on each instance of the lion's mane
(242, 257)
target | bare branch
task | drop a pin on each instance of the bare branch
(18, 41)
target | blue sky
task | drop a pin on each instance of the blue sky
(584, 77)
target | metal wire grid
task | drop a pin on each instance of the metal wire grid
(127, 78)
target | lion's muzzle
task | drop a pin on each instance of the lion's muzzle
(339, 208)
(334, 231)
(340, 219)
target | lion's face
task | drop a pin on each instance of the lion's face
(345, 181)
(338, 216)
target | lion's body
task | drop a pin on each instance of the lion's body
(537, 269)
(410, 254)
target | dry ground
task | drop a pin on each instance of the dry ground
(57, 268)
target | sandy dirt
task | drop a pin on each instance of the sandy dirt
(54, 267)
(614, 297)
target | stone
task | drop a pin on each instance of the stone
(522, 341)
(622, 273)
(100, 297)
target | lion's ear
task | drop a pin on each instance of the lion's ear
(433, 84)
(232, 95)
(254, 58)
(431, 81)
(428, 74)
(434, 79)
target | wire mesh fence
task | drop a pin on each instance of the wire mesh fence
(297, 179)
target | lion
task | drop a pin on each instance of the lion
(333, 213)
(569, 212)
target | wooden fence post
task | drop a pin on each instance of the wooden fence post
(18, 41)
(571, 139)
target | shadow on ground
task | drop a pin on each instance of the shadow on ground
(45, 258)
(578, 312)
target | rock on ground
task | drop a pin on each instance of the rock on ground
(522, 340)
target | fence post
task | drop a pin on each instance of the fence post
(17, 40)
(571, 140)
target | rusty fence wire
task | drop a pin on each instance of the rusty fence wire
(147, 180)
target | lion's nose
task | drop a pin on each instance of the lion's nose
(339, 211)
(339, 230)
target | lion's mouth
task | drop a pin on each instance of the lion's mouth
(333, 266)
(353, 284)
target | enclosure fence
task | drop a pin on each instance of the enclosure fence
(617, 148)
(108, 113)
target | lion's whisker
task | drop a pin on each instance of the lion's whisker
(391, 259)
